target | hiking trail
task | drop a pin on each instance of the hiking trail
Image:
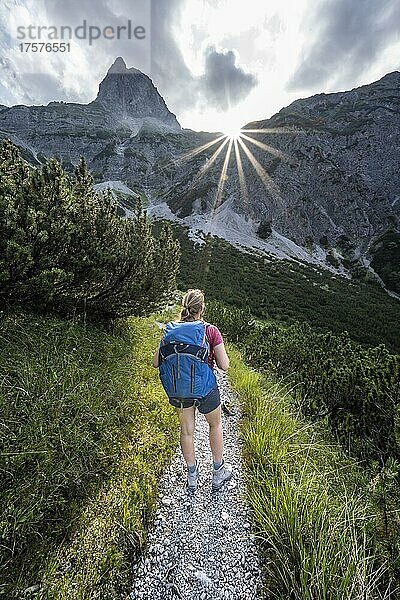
(201, 545)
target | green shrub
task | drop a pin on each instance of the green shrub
(64, 247)
(355, 390)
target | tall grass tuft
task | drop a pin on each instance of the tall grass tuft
(85, 430)
(309, 501)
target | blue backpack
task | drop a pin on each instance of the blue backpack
(183, 360)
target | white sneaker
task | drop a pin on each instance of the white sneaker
(224, 473)
(192, 479)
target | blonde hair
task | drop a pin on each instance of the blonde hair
(192, 305)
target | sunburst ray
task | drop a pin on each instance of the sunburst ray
(199, 149)
(242, 179)
(266, 179)
(210, 161)
(271, 130)
(268, 148)
(223, 175)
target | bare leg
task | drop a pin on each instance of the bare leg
(215, 433)
(187, 420)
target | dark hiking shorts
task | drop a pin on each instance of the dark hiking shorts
(205, 405)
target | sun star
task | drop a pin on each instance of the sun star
(232, 133)
(235, 142)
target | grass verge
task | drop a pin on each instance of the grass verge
(85, 432)
(310, 501)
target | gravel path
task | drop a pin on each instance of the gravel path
(200, 545)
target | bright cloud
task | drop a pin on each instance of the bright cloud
(219, 64)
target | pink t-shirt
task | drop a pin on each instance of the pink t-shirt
(214, 338)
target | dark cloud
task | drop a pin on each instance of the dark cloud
(168, 68)
(347, 37)
(224, 83)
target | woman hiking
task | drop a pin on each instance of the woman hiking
(185, 358)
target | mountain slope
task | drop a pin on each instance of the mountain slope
(327, 183)
(335, 167)
(290, 292)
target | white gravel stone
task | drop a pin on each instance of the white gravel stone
(202, 542)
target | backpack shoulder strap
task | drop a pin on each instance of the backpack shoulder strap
(205, 340)
(163, 334)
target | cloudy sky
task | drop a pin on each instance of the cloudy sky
(218, 63)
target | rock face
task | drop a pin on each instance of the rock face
(334, 168)
(345, 178)
(127, 103)
(336, 171)
(132, 98)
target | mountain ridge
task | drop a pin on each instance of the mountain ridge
(334, 164)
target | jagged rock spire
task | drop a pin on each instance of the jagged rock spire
(131, 94)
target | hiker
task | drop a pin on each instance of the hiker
(185, 358)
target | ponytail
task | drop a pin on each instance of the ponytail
(192, 305)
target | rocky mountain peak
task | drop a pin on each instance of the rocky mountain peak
(119, 66)
(133, 98)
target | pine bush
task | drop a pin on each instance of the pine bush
(64, 248)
